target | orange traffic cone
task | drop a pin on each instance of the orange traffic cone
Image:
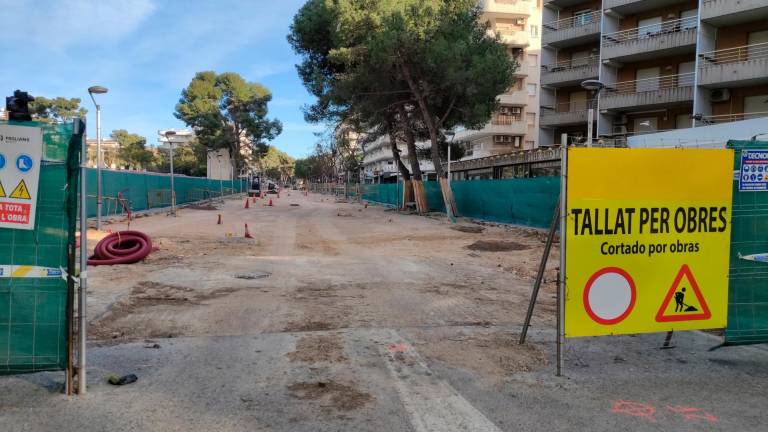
(219, 222)
(247, 232)
(247, 205)
(270, 203)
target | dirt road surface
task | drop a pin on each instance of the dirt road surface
(341, 317)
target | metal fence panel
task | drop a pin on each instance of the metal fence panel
(748, 280)
(33, 311)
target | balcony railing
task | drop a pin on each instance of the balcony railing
(734, 55)
(572, 106)
(574, 64)
(650, 31)
(572, 22)
(727, 118)
(505, 120)
(652, 84)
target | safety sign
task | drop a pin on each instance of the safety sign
(753, 175)
(21, 149)
(647, 243)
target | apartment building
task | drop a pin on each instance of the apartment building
(515, 125)
(665, 65)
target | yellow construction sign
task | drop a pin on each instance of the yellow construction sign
(2, 191)
(20, 192)
(647, 240)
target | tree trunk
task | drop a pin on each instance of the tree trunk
(420, 196)
(429, 120)
(396, 155)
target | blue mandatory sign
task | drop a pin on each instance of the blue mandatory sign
(24, 163)
(754, 166)
(2, 161)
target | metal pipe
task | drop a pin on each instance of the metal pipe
(82, 289)
(562, 274)
(99, 197)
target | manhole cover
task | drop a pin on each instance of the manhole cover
(256, 275)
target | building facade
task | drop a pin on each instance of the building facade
(515, 125)
(109, 152)
(665, 65)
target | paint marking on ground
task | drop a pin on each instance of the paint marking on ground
(431, 403)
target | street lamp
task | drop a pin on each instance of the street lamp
(595, 86)
(92, 91)
(168, 134)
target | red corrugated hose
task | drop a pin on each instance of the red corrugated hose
(122, 247)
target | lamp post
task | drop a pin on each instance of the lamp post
(92, 91)
(595, 86)
(168, 134)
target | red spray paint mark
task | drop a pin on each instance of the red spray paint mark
(635, 409)
(692, 414)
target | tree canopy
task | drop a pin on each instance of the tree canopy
(410, 69)
(58, 109)
(227, 111)
(133, 152)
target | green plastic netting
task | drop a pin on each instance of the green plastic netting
(33, 311)
(748, 280)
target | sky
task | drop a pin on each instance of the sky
(147, 51)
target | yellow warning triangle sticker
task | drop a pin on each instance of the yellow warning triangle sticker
(2, 191)
(21, 191)
(684, 300)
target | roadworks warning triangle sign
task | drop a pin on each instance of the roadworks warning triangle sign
(684, 300)
(20, 192)
(2, 191)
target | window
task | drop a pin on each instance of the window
(530, 118)
(530, 144)
(647, 79)
(648, 27)
(582, 18)
(534, 31)
(579, 58)
(533, 60)
(686, 71)
(757, 106)
(531, 89)
(578, 101)
(683, 121)
(758, 37)
(646, 125)
(689, 19)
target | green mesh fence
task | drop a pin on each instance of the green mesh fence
(524, 201)
(387, 194)
(33, 311)
(145, 191)
(748, 280)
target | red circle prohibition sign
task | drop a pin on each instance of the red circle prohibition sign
(632, 289)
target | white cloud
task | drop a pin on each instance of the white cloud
(60, 24)
(268, 69)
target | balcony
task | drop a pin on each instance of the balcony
(668, 38)
(515, 98)
(518, 38)
(576, 30)
(517, 7)
(740, 66)
(731, 12)
(631, 7)
(569, 72)
(727, 118)
(649, 92)
(567, 114)
(498, 126)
